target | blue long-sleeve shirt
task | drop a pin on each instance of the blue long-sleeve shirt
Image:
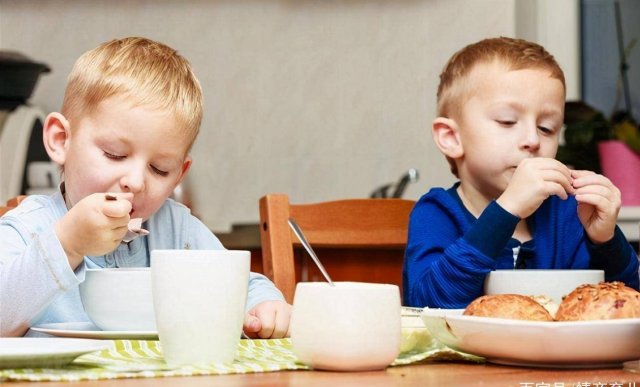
(449, 252)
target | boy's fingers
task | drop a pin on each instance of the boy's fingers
(558, 190)
(594, 180)
(119, 233)
(559, 178)
(564, 175)
(282, 324)
(252, 324)
(597, 190)
(576, 173)
(267, 322)
(116, 208)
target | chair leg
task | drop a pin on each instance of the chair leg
(277, 248)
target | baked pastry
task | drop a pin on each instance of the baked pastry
(511, 306)
(604, 301)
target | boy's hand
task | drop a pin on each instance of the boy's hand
(534, 180)
(599, 203)
(94, 226)
(268, 320)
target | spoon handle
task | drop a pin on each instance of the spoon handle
(307, 246)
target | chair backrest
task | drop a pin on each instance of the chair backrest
(347, 225)
(11, 203)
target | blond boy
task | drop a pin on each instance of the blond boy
(501, 109)
(131, 112)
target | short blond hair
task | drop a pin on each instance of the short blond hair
(144, 72)
(515, 54)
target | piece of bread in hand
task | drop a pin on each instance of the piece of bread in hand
(510, 306)
(604, 301)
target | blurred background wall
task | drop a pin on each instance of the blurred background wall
(320, 99)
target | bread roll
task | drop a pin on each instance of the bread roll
(511, 306)
(604, 301)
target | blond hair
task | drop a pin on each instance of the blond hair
(145, 72)
(516, 54)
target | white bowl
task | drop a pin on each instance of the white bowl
(352, 326)
(553, 283)
(119, 299)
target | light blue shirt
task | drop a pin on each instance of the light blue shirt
(37, 284)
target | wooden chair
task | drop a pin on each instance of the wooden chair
(12, 203)
(356, 240)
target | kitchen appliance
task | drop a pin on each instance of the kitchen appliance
(399, 187)
(25, 167)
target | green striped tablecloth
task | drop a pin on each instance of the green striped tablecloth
(143, 359)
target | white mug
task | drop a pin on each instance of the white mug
(352, 326)
(199, 298)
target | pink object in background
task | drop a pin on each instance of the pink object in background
(622, 166)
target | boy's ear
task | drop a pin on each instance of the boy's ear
(185, 167)
(55, 136)
(446, 135)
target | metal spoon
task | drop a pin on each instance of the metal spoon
(296, 230)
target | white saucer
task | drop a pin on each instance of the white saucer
(87, 330)
(31, 352)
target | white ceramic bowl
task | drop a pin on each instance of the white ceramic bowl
(554, 284)
(119, 299)
(352, 326)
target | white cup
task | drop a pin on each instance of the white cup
(352, 326)
(199, 298)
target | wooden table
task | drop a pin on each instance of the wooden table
(426, 374)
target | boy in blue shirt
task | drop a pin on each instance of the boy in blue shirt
(131, 112)
(501, 109)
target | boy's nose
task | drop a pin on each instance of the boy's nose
(133, 181)
(531, 140)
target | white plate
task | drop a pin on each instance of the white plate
(575, 344)
(89, 331)
(31, 352)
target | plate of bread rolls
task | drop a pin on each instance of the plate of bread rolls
(595, 325)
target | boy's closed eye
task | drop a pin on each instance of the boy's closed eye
(155, 170)
(159, 172)
(506, 122)
(546, 130)
(113, 156)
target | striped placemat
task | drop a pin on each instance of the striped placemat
(143, 359)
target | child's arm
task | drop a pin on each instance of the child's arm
(94, 226)
(34, 269)
(534, 180)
